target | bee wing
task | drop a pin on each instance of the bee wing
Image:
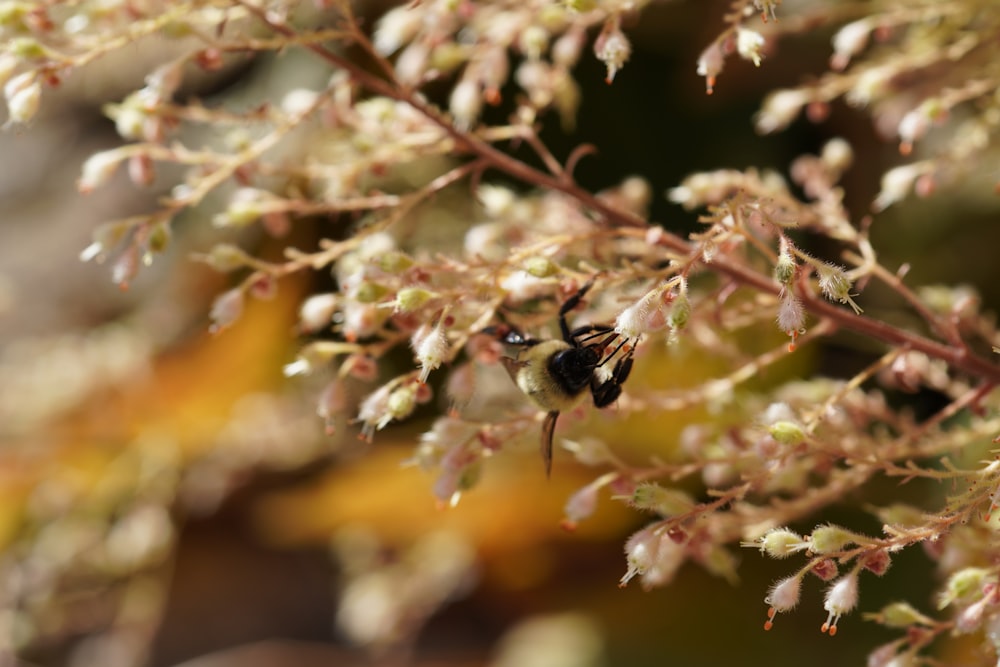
(548, 428)
(512, 366)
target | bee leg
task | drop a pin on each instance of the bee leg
(608, 391)
(569, 305)
(548, 428)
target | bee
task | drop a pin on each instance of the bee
(557, 374)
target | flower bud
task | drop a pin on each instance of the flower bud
(963, 584)
(680, 312)
(663, 501)
(226, 309)
(850, 40)
(876, 562)
(97, 169)
(781, 543)
(409, 299)
(896, 184)
(900, 615)
(397, 27)
(466, 102)
(784, 268)
(835, 285)
(533, 41)
(786, 432)
(369, 292)
(401, 402)
(540, 267)
(837, 155)
(332, 402)
(394, 261)
(566, 50)
(582, 504)
(830, 539)
(225, 257)
(825, 569)
(779, 109)
(316, 312)
(23, 94)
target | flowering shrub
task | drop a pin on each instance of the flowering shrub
(440, 239)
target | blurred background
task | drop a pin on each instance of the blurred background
(168, 497)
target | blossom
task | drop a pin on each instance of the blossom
(783, 596)
(779, 109)
(612, 48)
(840, 599)
(710, 64)
(226, 309)
(431, 348)
(749, 44)
(24, 95)
(791, 314)
(98, 168)
(466, 102)
(850, 40)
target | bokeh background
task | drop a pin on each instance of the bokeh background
(166, 495)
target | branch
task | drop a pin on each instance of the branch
(493, 157)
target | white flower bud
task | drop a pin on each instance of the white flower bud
(897, 183)
(316, 312)
(297, 102)
(850, 40)
(837, 155)
(465, 103)
(779, 109)
(226, 309)
(98, 168)
(396, 27)
(23, 94)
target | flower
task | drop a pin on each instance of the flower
(835, 285)
(98, 168)
(791, 315)
(396, 27)
(23, 94)
(748, 45)
(896, 184)
(849, 41)
(612, 48)
(710, 64)
(226, 309)
(840, 599)
(779, 109)
(466, 102)
(431, 348)
(783, 596)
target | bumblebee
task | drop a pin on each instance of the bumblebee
(557, 374)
